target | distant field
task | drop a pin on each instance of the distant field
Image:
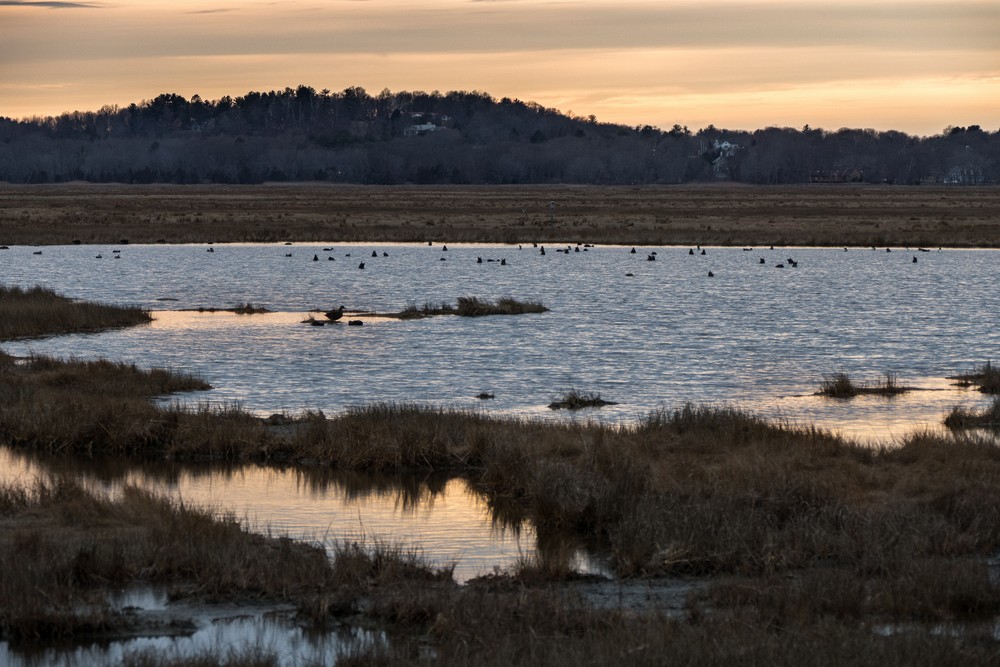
(647, 215)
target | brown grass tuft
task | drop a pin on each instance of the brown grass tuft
(986, 377)
(839, 385)
(988, 417)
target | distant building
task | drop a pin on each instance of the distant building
(725, 148)
(422, 128)
(967, 175)
(719, 155)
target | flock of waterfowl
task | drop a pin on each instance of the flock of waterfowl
(579, 247)
(502, 261)
(651, 256)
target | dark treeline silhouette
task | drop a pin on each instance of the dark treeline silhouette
(302, 134)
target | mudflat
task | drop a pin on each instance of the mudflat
(714, 214)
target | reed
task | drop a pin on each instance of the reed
(37, 311)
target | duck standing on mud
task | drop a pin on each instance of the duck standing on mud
(334, 315)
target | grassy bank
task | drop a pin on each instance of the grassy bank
(65, 548)
(28, 313)
(695, 491)
(717, 214)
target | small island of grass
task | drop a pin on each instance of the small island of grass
(988, 417)
(470, 306)
(985, 377)
(840, 385)
(575, 400)
(240, 309)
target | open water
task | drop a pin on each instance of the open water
(647, 334)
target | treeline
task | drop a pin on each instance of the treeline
(351, 136)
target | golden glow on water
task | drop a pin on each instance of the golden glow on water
(448, 525)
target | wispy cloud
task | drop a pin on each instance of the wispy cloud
(212, 11)
(51, 5)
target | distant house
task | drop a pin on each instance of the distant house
(967, 175)
(725, 148)
(422, 128)
(720, 156)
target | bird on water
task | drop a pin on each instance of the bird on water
(334, 315)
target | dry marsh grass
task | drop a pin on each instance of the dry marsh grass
(695, 491)
(810, 543)
(986, 378)
(577, 400)
(719, 214)
(64, 548)
(471, 306)
(28, 313)
(988, 417)
(815, 549)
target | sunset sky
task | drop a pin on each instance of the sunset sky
(912, 65)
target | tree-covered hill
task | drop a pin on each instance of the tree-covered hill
(351, 136)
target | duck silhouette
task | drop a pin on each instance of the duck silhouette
(334, 315)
